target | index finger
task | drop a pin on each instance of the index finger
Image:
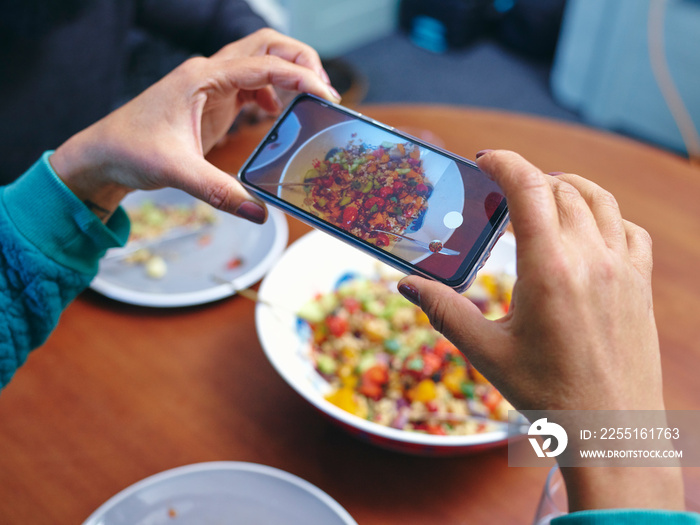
(531, 204)
(270, 42)
(258, 72)
(298, 53)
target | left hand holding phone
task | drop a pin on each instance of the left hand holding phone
(160, 138)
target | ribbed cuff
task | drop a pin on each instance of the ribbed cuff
(53, 219)
(628, 517)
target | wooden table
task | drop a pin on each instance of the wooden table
(121, 392)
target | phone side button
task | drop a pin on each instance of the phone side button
(483, 260)
(382, 125)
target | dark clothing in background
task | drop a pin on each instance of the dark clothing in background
(63, 62)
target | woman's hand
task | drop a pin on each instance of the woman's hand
(580, 333)
(160, 138)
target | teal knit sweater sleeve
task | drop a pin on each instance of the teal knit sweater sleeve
(628, 517)
(50, 245)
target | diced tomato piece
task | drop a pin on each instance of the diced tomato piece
(371, 390)
(385, 192)
(443, 348)
(376, 374)
(431, 363)
(337, 326)
(492, 399)
(435, 429)
(349, 216)
(351, 304)
(374, 201)
(382, 240)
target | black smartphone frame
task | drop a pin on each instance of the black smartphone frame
(472, 262)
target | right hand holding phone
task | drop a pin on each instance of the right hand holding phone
(580, 333)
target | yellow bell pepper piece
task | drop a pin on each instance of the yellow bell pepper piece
(454, 378)
(344, 398)
(478, 378)
(424, 391)
(421, 318)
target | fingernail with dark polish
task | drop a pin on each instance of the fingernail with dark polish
(483, 152)
(410, 293)
(251, 211)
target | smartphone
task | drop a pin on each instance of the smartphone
(412, 205)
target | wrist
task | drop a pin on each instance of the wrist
(591, 488)
(82, 171)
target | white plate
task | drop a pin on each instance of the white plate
(221, 492)
(314, 264)
(442, 173)
(190, 263)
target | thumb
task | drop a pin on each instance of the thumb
(220, 190)
(453, 315)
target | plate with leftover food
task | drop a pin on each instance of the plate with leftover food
(341, 335)
(221, 492)
(183, 252)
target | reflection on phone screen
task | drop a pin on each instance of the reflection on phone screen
(429, 209)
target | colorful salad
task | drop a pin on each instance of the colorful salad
(369, 190)
(386, 363)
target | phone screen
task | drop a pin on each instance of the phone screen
(422, 207)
